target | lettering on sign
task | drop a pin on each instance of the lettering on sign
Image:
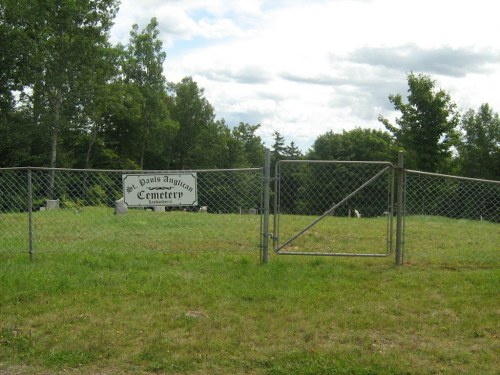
(146, 190)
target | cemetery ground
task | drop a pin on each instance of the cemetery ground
(184, 300)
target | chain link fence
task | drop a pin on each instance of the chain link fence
(346, 208)
(451, 219)
(80, 210)
(333, 208)
(325, 208)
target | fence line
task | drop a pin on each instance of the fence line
(441, 211)
(69, 210)
(451, 219)
(452, 196)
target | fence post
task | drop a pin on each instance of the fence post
(267, 182)
(30, 214)
(399, 210)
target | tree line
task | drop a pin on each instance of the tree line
(70, 98)
(430, 130)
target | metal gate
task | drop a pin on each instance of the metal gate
(334, 208)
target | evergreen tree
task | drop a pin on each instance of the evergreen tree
(278, 148)
(292, 152)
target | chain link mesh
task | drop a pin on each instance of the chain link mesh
(75, 210)
(450, 218)
(446, 218)
(14, 229)
(308, 190)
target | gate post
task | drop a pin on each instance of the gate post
(399, 210)
(267, 182)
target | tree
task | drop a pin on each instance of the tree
(143, 67)
(112, 139)
(426, 129)
(249, 144)
(16, 136)
(357, 144)
(337, 180)
(193, 112)
(480, 147)
(87, 131)
(292, 152)
(278, 148)
(212, 148)
(70, 38)
(59, 44)
(10, 39)
(21, 144)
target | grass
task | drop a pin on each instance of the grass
(204, 305)
(97, 228)
(456, 243)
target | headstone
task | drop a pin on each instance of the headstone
(52, 204)
(332, 213)
(120, 207)
(203, 209)
(252, 211)
(159, 208)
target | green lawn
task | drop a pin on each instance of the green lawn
(202, 304)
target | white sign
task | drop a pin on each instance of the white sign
(146, 190)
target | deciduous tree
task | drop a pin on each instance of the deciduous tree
(357, 144)
(426, 129)
(480, 147)
(194, 114)
(251, 144)
(143, 68)
(58, 46)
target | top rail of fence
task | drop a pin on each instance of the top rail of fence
(352, 162)
(460, 178)
(129, 170)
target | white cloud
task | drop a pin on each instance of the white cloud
(306, 67)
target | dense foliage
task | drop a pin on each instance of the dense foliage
(69, 98)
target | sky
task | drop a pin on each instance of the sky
(306, 67)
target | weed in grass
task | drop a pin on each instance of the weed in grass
(17, 343)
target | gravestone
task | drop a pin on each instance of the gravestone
(52, 204)
(120, 207)
(159, 208)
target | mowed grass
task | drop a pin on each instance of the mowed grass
(202, 303)
(98, 229)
